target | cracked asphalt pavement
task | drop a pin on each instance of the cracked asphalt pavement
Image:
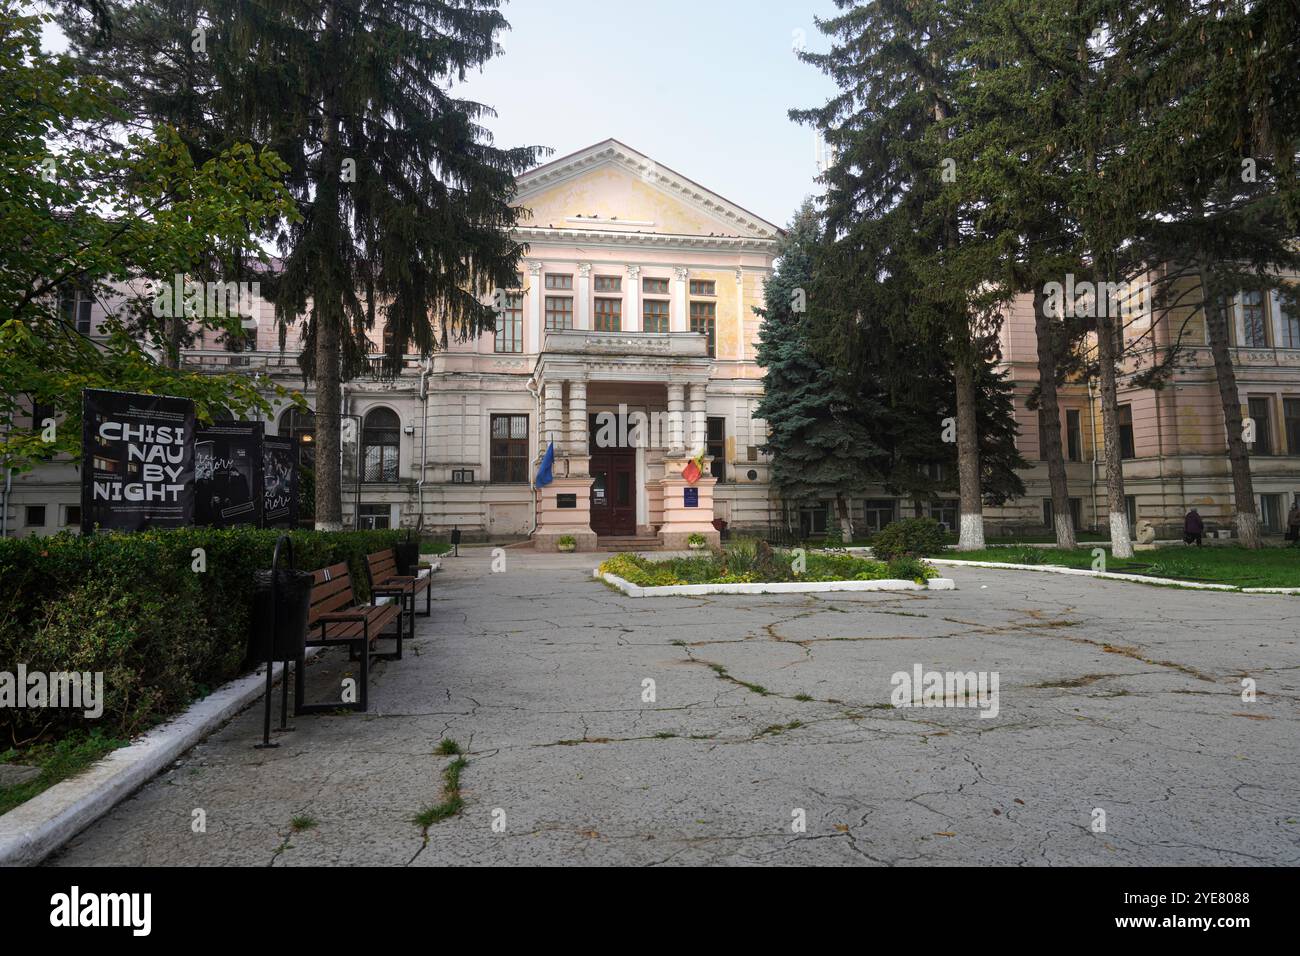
(1116, 697)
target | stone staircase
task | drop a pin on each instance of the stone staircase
(631, 542)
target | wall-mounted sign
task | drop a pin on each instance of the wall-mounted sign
(566, 501)
(137, 467)
(228, 465)
(691, 497)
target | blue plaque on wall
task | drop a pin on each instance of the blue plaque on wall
(691, 497)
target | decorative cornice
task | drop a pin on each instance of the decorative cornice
(598, 237)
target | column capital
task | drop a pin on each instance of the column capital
(682, 273)
(584, 270)
(534, 267)
(634, 272)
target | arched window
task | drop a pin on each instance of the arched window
(379, 444)
(301, 427)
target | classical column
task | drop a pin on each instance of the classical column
(740, 314)
(582, 315)
(578, 419)
(676, 401)
(632, 320)
(554, 395)
(534, 307)
(678, 321)
(699, 432)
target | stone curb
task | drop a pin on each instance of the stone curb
(774, 587)
(1086, 572)
(33, 830)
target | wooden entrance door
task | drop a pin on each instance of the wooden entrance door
(613, 491)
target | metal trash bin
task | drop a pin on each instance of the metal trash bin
(293, 602)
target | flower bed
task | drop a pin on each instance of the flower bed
(743, 565)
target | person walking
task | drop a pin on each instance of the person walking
(1193, 528)
(1293, 521)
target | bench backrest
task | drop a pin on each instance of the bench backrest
(382, 565)
(331, 590)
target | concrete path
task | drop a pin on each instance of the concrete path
(767, 710)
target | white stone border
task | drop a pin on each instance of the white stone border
(33, 830)
(1108, 575)
(772, 587)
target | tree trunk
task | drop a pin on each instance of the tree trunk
(846, 519)
(1121, 544)
(328, 306)
(971, 518)
(171, 357)
(1244, 517)
(1049, 419)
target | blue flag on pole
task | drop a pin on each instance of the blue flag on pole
(544, 476)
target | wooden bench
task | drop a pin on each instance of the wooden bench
(335, 617)
(381, 568)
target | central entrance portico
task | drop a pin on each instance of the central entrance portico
(626, 412)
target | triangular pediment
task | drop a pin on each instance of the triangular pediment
(612, 187)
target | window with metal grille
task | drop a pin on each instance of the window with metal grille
(510, 325)
(704, 319)
(380, 442)
(559, 312)
(509, 449)
(609, 315)
(654, 315)
(374, 517)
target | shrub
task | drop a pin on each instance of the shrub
(132, 607)
(908, 568)
(918, 537)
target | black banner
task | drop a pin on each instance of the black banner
(228, 474)
(280, 476)
(137, 461)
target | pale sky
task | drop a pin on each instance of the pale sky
(700, 86)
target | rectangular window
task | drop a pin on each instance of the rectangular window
(1131, 509)
(945, 512)
(654, 315)
(609, 315)
(72, 515)
(1073, 435)
(717, 447)
(1049, 513)
(509, 451)
(703, 287)
(1261, 413)
(1254, 320)
(609, 284)
(35, 516)
(1269, 509)
(654, 286)
(877, 513)
(374, 517)
(559, 281)
(1126, 447)
(704, 320)
(1291, 417)
(510, 325)
(559, 312)
(74, 308)
(1290, 325)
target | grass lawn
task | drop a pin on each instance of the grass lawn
(57, 761)
(1266, 568)
(739, 564)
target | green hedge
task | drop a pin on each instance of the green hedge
(911, 537)
(131, 606)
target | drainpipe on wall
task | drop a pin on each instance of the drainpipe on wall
(424, 435)
(534, 389)
(1092, 428)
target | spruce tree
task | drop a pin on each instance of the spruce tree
(405, 204)
(819, 433)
